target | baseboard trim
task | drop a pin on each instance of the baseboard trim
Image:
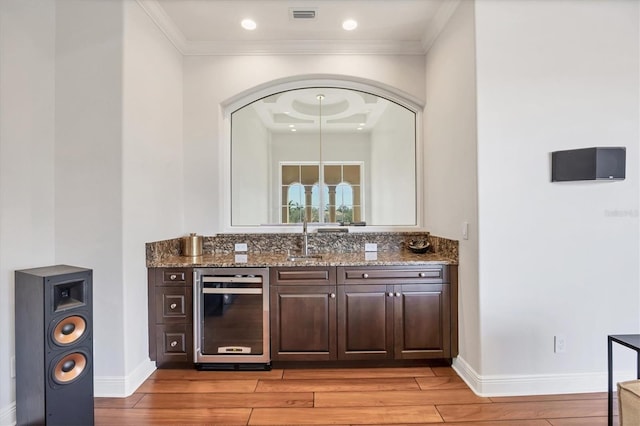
(532, 384)
(123, 386)
(8, 415)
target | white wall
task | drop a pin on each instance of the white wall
(450, 162)
(555, 258)
(118, 169)
(152, 172)
(88, 178)
(209, 81)
(26, 160)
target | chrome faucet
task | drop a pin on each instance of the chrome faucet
(305, 235)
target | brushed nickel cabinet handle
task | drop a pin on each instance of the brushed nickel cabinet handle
(173, 306)
(174, 344)
(332, 295)
(398, 294)
(422, 275)
(390, 294)
(173, 276)
(365, 275)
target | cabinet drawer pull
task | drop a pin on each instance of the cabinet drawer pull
(174, 344)
(332, 295)
(173, 306)
(365, 275)
(390, 294)
(398, 294)
(173, 276)
(422, 275)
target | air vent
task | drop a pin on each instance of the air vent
(304, 14)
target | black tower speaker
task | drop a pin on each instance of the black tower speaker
(54, 346)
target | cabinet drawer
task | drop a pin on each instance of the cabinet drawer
(180, 276)
(174, 305)
(305, 275)
(393, 274)
(174, 344)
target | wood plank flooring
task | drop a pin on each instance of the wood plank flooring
(358, 396)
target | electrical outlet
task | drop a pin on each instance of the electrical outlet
(559, 343)
(370, 247)
(13, 367)
(241, 247)
(370, 255)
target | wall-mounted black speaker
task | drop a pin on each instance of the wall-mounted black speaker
(54, 346)
(601, 163)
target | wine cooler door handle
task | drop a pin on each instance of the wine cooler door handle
(232, 290)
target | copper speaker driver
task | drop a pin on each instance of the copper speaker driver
(69, 368)
(69, 330)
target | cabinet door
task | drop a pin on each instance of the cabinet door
(422, 327)
(365, 322)
(303, 323)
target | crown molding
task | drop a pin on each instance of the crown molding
(274, 47)
(438, 22)
(164, 23)
(304, 47)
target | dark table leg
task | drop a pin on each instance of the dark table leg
(610, 376)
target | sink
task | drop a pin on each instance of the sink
(303, 257)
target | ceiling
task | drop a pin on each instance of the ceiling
(212, 27)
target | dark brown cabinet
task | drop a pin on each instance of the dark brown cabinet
(325, 313)
(394, 313)
(362, 313)
(303, 314)
(170, 317)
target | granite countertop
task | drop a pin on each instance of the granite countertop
(226, 260)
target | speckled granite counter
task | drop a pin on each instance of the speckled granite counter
(266, 250)
(280, 259)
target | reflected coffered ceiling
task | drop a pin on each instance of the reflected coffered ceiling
(327, 109)
(212, 27)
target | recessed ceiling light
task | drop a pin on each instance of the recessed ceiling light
(248, 24)
(350, 24)
(359, 128)
(293, 130)
(292, 125)
(362, 124)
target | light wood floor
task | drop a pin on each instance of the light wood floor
(379, 396)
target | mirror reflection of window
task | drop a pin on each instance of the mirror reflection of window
(315, 204)
(341, 193)
(295, 210)
(344, 204)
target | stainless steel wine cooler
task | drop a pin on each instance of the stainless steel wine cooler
(231, 318)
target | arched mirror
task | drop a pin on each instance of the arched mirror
(327, 155)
